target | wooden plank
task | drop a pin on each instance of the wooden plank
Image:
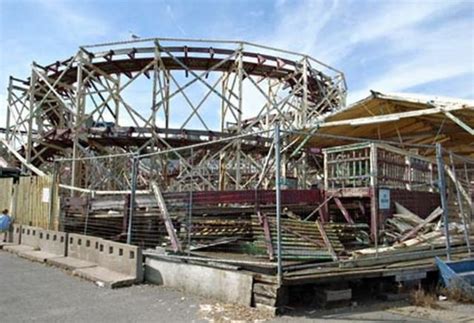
(6, 191)
(322, 205)
(458, 186)
(28, 206)
(266, 289)
(436, 213)
(403, 210)
(263, 219)
(217, 242)
(459, 122)
(166, 217)
(301, 236)
(326, 240)
(343, 210)
(35, 170)
(263, 299)
(389, 117)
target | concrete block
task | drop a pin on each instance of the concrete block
(53, 242)
(223, 285)
(16, 249)
(3, 244)
(39, 256)
(69, 263)
(15, 234)
(123, 262)
(85, 248)
(105, 277)
(30, 236)
(122, 258)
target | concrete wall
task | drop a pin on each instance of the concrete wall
(223, 285)
(122, 258)
(30, 236)
(84, 247)
(119, 257)
(15, 234)
(52, 241)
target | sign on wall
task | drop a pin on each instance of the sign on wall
(45, 195)
(384, 199)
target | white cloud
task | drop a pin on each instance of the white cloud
(172, 16)
(75, 22)
(413, 42)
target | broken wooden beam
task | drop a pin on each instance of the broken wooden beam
(436, 213)
(326, 240)
(343, 210)
(266, 231)
(166, 217)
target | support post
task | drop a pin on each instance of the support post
(238, 175)
(278, 200)
(9, 106)
(77, 122)
(133, 188)
(29, 148)
(442, 193)
(190, 219)
(52, 195)
(374, 227)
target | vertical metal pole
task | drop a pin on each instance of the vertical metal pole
(442, 193)
(278, 199)
(190, 210)
(190, 214)
(133, 188)
(374, 198)
(52, 195)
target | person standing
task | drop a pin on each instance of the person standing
(5, 221)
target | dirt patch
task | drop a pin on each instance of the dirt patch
(220, 312)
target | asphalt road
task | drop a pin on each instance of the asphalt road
(39, 293)
(33, 292)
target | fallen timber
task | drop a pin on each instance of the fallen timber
(233, 231)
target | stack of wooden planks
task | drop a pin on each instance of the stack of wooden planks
(300, 239)
(405, 224)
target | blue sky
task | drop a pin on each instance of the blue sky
(403, 46)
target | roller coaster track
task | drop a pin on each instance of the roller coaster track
(53, 106)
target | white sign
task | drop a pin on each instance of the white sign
(384, 199)
(45, 197)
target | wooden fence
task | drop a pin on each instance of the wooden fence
(33, 200)
(6, 189)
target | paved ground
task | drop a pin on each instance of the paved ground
(35, 292)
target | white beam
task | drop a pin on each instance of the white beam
(388, 117)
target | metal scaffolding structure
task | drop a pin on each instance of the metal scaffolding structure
(196, 91)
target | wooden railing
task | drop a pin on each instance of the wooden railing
(371, 164)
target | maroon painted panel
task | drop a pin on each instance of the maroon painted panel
(420, 203)
(248, 197)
